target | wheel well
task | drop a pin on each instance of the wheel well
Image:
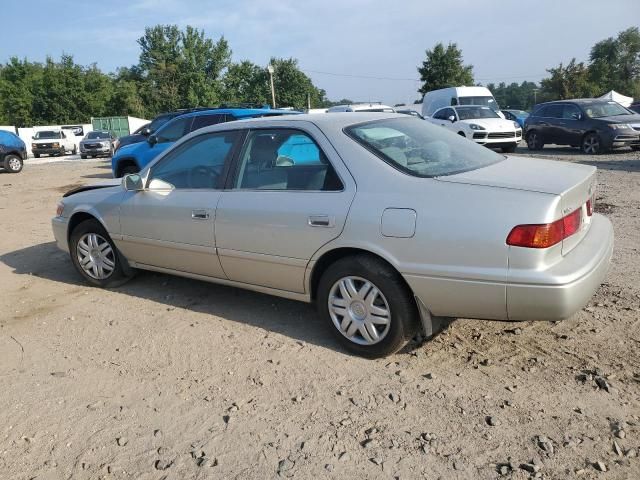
(589, 132)
(76, 219)
(462, 134)
(124, 163)
(333, 256)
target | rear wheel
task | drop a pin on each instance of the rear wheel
(367, 306)
(12, 163)
(534, 141)
(95, 256)
(591, 144)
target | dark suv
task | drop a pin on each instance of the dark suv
(593, 125)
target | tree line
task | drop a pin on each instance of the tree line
(176, 69)
(614, 64)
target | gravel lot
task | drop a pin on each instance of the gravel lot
(173, 378)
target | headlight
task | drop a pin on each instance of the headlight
(34, 145)
(60, 209)
(619, 126)
(516, 124)
(104, 144)
(56, 145)
(475, 126)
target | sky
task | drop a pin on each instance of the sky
(364, 50)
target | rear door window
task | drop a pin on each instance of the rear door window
(174, 130)
(553, 111)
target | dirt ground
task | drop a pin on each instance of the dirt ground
(168, 378)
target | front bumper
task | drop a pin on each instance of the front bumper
(566, 287)
(59, 226)
(48, 151)
(625, 140)
(95, 151)
(484, 137)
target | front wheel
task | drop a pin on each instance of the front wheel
(367, 306)
(75, 150)
(635, 148)
(37, 155)
(83, 157)
(95, 256)
(591, 144)
(13, 163)
(534, 141)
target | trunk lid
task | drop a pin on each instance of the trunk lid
(575, 184)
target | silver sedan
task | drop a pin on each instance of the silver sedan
(386, 222)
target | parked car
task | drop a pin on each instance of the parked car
(13, 152)
(480, 124)
(143, 132)
(593, 125)
(453, 96)
(383, 220)
(361, 107)
(635, 107)
(518, 116)
(97, 143)
(53, 142)
(132, 158)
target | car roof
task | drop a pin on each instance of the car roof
(335, 120)
(580, 101)
(238, 112)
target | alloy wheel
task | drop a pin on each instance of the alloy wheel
(591, 144)
(14, 164)
(359, 310)
(95, 255)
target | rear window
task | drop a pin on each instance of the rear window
(421, 149)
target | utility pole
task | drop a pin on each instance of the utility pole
(535, 96)
(270, 69)
(308, 101)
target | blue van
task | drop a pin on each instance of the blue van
(133, 158)
(13, 152)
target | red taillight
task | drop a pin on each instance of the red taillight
(545, 235)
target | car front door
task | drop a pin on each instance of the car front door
(571, 127)
(289, 196)
(170, 224)
(165, 137)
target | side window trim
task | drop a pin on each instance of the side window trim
(223, 179)
(234, 170)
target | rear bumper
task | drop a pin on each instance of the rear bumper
(563, 289)
(59, 227)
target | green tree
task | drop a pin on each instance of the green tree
(246, 82)
(519, 96)
(292, 86)
(443, 68)
(570, 81)
(615, 63)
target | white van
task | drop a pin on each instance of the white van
(452, 96)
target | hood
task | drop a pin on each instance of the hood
(632, 119)
(530, 174)
(492, 124)
(112, 182)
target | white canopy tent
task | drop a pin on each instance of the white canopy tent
(617, 97)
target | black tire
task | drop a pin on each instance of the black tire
(75, 150)
(13, 163)
(535, 141)
(509, 149)
(83, 157)
(129, 169)
(117, 276)
(37, 155)
(404, 316)
(591, 144)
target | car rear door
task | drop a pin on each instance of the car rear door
(173, 228)
(571, 126)
(289, 195)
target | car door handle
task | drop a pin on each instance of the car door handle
(199, 214)
(321, 221)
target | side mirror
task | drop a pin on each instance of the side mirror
(452, 119)
(133, 182)
(146, 131)
(152, 140)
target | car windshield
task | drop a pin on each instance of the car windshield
(47, 134)
(519, 113)
(157, 122)
(97, 135)
(486, 101)
(420, 148)
(605, 109)
(469, 113)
